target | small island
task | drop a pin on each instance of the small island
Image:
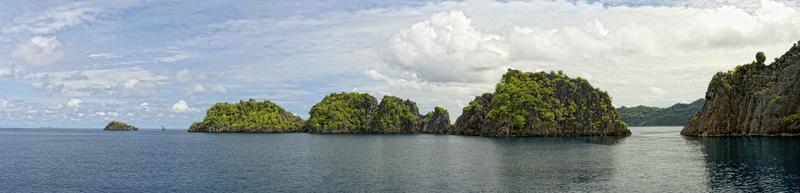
(541, 104)
(119, 126)
(754, 99)
(248, 116)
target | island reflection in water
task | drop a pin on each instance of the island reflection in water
(652, 159)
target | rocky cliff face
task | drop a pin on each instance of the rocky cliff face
(753, 99)
(119, 126)
(395, 115)
(248, 116)
(436, 122)
(343, 113)
(540, 104)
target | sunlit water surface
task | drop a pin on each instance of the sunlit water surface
(653, 159)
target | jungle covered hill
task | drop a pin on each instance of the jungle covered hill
(675, 115)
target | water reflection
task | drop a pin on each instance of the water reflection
(752, 164)
(555, 164)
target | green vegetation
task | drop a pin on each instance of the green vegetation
(760, 57)
(119, 126)
(774, 99)
(530, 101)
(396, 115)
(792, 117)
(342, 113)
(675, 115)
(248, 116)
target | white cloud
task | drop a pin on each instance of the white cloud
(52, 20)
(118, 81)
(39, 50)
(197, 82)
(181, 107)
(74, 103)
(446, 48)
(144, 107)
(10, 71)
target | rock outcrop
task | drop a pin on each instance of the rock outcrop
(248, 116)
(753, 99)
(119, 126)
(540, 104)
(343, 113)
(436, 122)
(395, 115)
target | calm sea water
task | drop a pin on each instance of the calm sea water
(653, 159)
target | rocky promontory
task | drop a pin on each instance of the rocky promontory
(754, 99)
(540, 104)
(436, 122)
(248, 116)
(119, 126)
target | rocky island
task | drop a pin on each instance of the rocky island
(119, 126)
(342, 113)
(248, 116)
(754, 99)
(523, 104)
(675, 115)
(540, 104)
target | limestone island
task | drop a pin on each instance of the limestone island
(541, 104)
(119, 126)
(752, 100)
(248, 117)
(523, 104)
(361, 113)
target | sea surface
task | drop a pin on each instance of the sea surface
(653, 159)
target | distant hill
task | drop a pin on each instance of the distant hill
(676, 115)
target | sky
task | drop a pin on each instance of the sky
(80, 64)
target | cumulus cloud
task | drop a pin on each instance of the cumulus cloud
(197, 82)
(39, 50)
(181, 107)
(74, 103)
(447, 48)
(682, 46)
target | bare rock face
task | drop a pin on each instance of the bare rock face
(540, 104)
(753, 99)
(436, 122)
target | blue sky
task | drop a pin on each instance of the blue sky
(152, 63)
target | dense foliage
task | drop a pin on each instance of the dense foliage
(342, 113)
(396, 115)
(119, 126)
(248, 116)
(675, 115)
(541, 103)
